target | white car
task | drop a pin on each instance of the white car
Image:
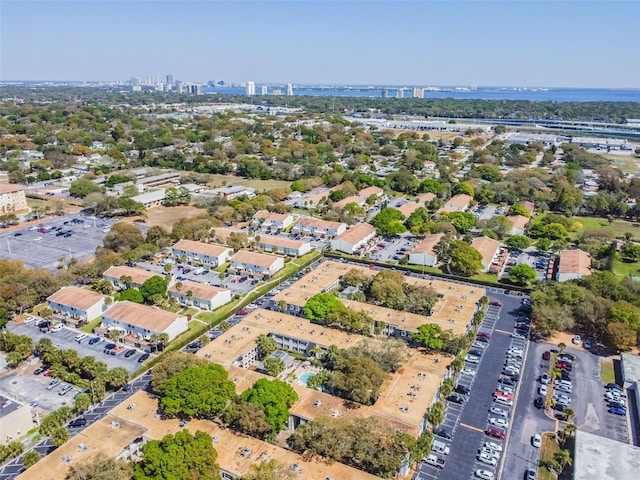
(33, 227)
(484, 474)
(493, 446)
(498, 411)
(545, 378)
(608, 395)
(560, 398)
(57, 327)
(503, 401)
(468, 371)
(505, 389)
(499, 422)
(29, 320)
(536, 440)
(519, 336)
(564, 388)
(542, 390)
(515, 350)
(488, 451)
(471, 359)
(576, 340)
(488, 459)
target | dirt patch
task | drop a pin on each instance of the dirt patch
(218, 181)
(167, 216)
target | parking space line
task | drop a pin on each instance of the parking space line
(502, 331)
(471, 427)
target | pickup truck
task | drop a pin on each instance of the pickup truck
(435, 461)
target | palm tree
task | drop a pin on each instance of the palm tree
(114, 334)
(189, 294)
(569, 412)
(126, 281)
(562, 346)
(563, 458)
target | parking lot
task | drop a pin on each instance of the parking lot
(393, 250)
(65, 339)
(44, 250)
(530, 257)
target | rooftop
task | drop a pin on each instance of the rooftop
(346, 201)
(408, 208)
(426, 197)
(201, 248)
(254, 258)
(138, 275)
(158, 178)
(630, 367)
(280, 242)
(574, 261)
(487, 247)
(76, 297)
(10, 188)
(357, 233)
(318, 223)
(428, 244)
(460, 201)
(271, 216)
(142, 316)
(198, 290)
(8, 406)
(518, 221)
(367, 192)
(602, 458)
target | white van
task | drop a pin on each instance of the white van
(57, 327)
(440, 447)
(80, 337)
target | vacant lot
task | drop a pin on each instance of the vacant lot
(230, 180)
(618, 227)
(167, 216)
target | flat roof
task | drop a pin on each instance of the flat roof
(102, 439)
(230, 444)
(428, 244)
(318, 223)
(138, 275)
(574, 261)
(198, 290)
(602, 458)
(143, 316)
(280, 242)
(10, 188)
(201, 248)
(487, 247)
(357, 233)
(11, 406)
(76, 297)
(630, 367)
(254, 258)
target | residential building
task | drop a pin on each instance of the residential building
(489, 249)
(425, 253)
(231, 193)
(367, 192)
(425, 198)
(206, 253)
(354, 239)
(289, 90)
(529, 206)
(156, 180)
(12, 198)
(250, 89)
(139, 322)
(408, 208)
(285, 246)
(16, 420)
(75, 305)
(151, 198)
(457, 203)
(316, 227)
(123, 277)
(256, 264)
(272, 221)
(572, 264)
(312, 201)
(346, 201)
(518, 224)
(264, 90)
(206, 297)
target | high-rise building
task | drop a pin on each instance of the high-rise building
(135, 81)
(170, 79)
(289, 90)
(417, 92)
(277, 92)
(251, 88)
(149, 80)
(400, 93)
(385, 93)
(264, 90)
(180, 86)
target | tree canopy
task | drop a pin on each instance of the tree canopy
(389, 222)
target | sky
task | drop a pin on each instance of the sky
(589, 44)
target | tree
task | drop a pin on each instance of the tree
(101, 468)
(522, 274)
(387, 290)
(356, 378)
(462, 187)
(464, 259)
(247, 417)
(518, 209)
(274, 398)
(4, 318)
(266, 344)
(30, 458)
(202, 391)
(563, 458)
(153, 287)
(180, 457)
(321, 305)
(389, 222)
(435, 414)
(631, 252)
(170, 365)
(463, 221)
(132, 295)
(83, 187)
(430, 335)
(270, 470)
(621, 336)
(59, 436)
(123, 237)
(518, 242)
(274, 366)
(81, 403)
(117, 377)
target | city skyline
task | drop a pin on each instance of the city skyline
(537, 44)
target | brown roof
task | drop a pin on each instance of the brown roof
(408, 208)
(486, 246)
(346, 201)
(143, 316)
(574, 261)
(357, 233)
(76, 297)
(529, 206)
(138, 276)
(315, 199)
(318, 223)
(460, 201)
(519, 221)
(10, 187)
(367, 192)
(426, 197)
(428, 245)
(199, 290)
(254, 258)
(280, 242)
(201, 248)
(278, 217)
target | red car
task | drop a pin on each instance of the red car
(495, 303)
(498, 393)
(484, 335)
(47, 372)
(495, 433)
(546, 355)
(244, 311)
(371, 266)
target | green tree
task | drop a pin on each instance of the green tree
(463, 221)
(4, 318)
(202, 391)
(464, 259)
(462, 187)
(180, 457)
(435, 414)
(631, 252)
(270, 470)
(389, 222)
(59, 436)
(132, 295)
(248, 418)
(430, 335)
(30, 458)
(101, 468)
(321, 305)
(518, 209)
(266, 344)
(356, 378)
(621, 336)
(153, 287)
(522, 274)
(117, 377)
(81, 403)
(274, 398)
(123, 237)
(518, 242)
(170, 365)
(83, 187)
(274, 366)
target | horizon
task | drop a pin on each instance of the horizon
(525, 44)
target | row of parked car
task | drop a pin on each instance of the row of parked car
(616, 399)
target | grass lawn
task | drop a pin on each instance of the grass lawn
(230, 180)
(607, 373)
(223, 268)
(88, 328)
(626, 163)
(627, 268)
(486, 277)
(618, 227)
(548, 448)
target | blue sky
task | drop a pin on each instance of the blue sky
(510, 43)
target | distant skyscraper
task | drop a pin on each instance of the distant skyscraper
(277, 92)
(385, 93)
(251, 88)
(170, 79)
(400, 93)
(149, 80)
(264, 90)
(417, 92)
(180, 87)
(289, 90)
(135, 81)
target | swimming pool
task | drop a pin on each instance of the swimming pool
(304, 378)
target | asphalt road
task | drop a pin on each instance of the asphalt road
(12, 469)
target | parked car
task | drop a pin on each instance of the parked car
(495, 432)
(462, 389)
(94, 340)
(576, 340)
(130, 353)
(434, 461)
(143, 357)
(78, 422)
(498, 422)
(484, 474)
(495, 303)
(455, 398)
(618, 410)
(539, 402)
(530, 474)
(444, 433)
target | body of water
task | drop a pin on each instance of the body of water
(482, 93)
